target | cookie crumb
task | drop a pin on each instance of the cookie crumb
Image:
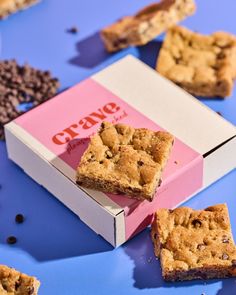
(149, 259)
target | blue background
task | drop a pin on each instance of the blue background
(53, 243)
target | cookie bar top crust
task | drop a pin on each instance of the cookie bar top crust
(14, 282)
(194, 244)
(8, 7)
(203, 65)
(146, 24)
(124, 160)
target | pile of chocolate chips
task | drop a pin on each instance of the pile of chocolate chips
(22, 84)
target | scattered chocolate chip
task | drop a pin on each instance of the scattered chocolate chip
(159, 182)
(219, 113)
(171, 210)
(21, 88)
(101, 162)
(196, 223)
(19, 218)
(201, 247)
(155, 236)
(140, 163)
(176, 162)
(225, 256)
(11, 240)
(73, 30)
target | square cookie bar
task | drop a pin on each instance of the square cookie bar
(203, 65)
(124, 160)
(15, 282)
(8, 7)
(194, 244)
(146, 24)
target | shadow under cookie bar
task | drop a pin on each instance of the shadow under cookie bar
(146, 24)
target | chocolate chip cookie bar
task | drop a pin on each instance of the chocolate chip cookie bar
(203, 65)
(8, 7)
(124, 160)
(146, 24)
(15, 282)
(194, 244)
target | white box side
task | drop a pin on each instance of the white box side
(38, 148)
(97, 217)
(166, 104)
(219, 162)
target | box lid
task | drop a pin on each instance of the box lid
(162, 101)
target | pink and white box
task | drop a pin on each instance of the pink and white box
(48, 141)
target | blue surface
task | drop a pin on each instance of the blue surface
(53, 243)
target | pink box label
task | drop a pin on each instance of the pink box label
(65, 123)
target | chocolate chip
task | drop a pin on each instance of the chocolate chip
(219, 113)
(101, 162)
(221, 55)
(176, 162)
(109, 154)
(171, 210)
(140, 163)
(73, 30)
(4, 285)
(119, 192)
(11, 240)
(225, 239)
(234, 262)
(225, 256)
(201, 247)
(17, 285)
(196, 223)
(31, 290)
(79, 182)
(155, 236)
(19, 218)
